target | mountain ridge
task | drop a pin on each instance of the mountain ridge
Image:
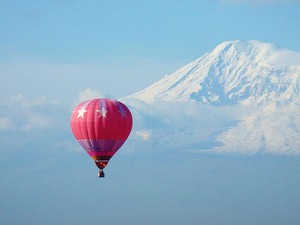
(241, 97)
(234, 72)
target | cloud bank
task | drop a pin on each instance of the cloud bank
(86, 94)
(271, 128)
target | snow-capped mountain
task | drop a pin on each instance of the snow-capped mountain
(243, 96)
(234, 72)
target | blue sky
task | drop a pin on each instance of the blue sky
(56, 53)
(124, 46)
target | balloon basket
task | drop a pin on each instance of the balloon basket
(101, 174)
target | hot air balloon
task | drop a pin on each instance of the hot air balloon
(101, 126)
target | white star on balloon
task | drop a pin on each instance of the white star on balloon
(81, 113)
(102, 112)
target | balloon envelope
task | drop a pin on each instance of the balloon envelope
(101, 126)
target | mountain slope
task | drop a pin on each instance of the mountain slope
(242, 97)
(234, 72)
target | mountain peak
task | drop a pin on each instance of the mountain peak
(244, 46)
(234, 72)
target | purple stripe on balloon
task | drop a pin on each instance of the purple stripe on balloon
(97, 146)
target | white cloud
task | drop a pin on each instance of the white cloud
(145, 135)
(162, 126)
(266, 130)
(87, 94)
(35, 121)
(187, 126)
(21, 113)
(176, 126)
(285, 58)
(6, 124)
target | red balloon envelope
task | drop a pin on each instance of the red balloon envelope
(101, 126)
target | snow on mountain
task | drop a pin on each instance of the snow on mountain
(270, 129)
(234, 72)
(243, 97)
